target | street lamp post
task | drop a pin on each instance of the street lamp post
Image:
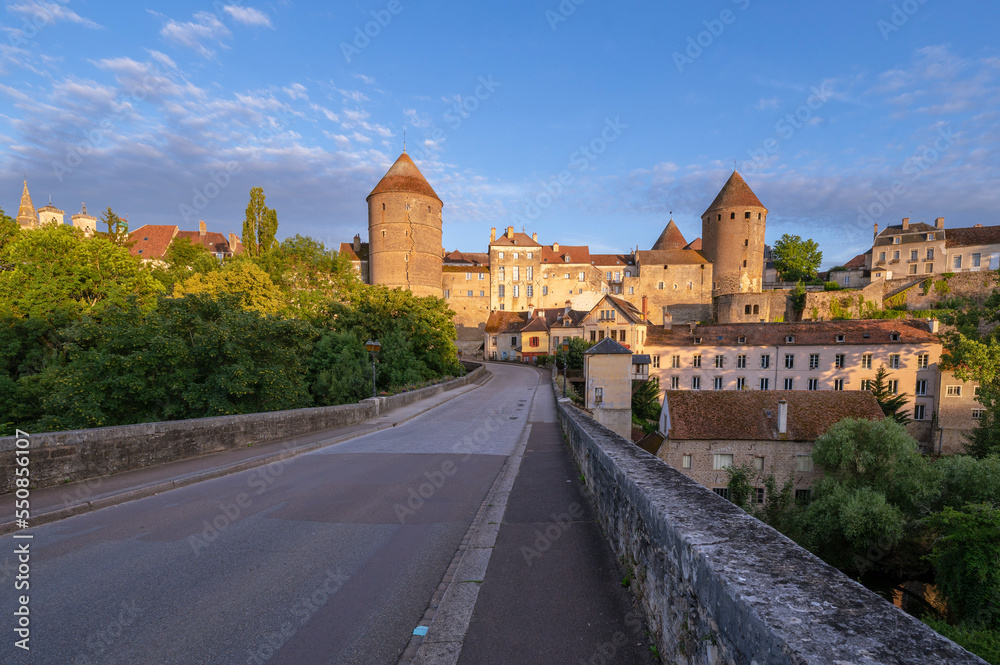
(565, 348)
(373, 347)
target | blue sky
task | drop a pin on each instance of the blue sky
(587, 121)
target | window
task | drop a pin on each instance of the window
(655, 360)
(696, 360)
(515, 273)
(675, 361)
(838, 384)
(746, 309)
(813, 384)
(896, 240)
(893, 386)
(500, 291)
(503, 273)
(953, 391)
(804, 463)
(721, 461)
(501, 307)
(582, 276)
(529, 272)
(930, 253)
(789, 383)
(598, 395)
(975, 391)
(765, 384)
(803, 496)
(918, 411)
(695, 383)
(515, 291)
(631, 290)
(758, 462)
(765, 360)
(813, 361)
(494, 341)
(609, 275)
(929, 267)
(976, 258)
(468, 293)
(545, 290)
(513, 341)
(482, 276)
(894, 337)
(741, 339)
(566, 276)
(923, 360)
(895, 255)
(741, 383)
(866, 384)
(894, 361)
(675, 383)
(839, 339)
(500, 255)
(529, 255)
(533, 341)
(977, 414)
(741, 361)
(921, 388)
(717, 383)
(468, 275)
(957, 261)
(447, 293)
(529, 290)
(881, 257)
(913, 255)
(930, 236)
(720, 361)
(838, 361)
(660, 286)
(866, 361)
(685, 461)
(722, 491)
(516, 256)
(913, 269)
(759, 491)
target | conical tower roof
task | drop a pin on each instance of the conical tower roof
(26, 215)
(404, 176)
(736, 193)
(671, 238)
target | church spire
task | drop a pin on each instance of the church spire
(27, 218)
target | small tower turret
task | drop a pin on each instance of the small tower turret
(27, 218)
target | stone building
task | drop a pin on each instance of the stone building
(607, 369)
(959, 412)
(914, 250)
(88, 223)
(810, 356)
(151, 241)
(27, 218)
(773, 432)
(732, 236)
(404, 231)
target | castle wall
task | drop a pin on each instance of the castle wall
(471, 311)
(733, 240)
(829, 305)
(766, 307)
(404, 232)
(683, 290)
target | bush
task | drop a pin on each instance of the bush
(983, 643)
(831, 286)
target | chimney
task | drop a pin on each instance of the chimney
(202, 228)
(782, 417)
(934, 325)
(906, 223)
(939, 222)
(232, 242)
(668, 321)
(493, 234)
(645, 309)
(566, 311)
(876, 229)
(357, 243)
(555, 247)
(534, 236)
(510, 231)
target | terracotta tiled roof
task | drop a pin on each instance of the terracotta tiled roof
(212, 241)
(150, 241)
(671, 238)
(611, 260)
(519, 240)
(577, 254)
(467, 258)
(633, 313)
(735, 193)
(347, 249)
(505, 322)
(973, 235)
(668, 256)
(404, 176)
(803, 333)
(752, 415)
(694, 244)
(857, 262)
(537, 324)
(607, 346)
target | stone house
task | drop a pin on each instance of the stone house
(909, 249)
(151, 241)
(774, 432)
(608, 385)
(958, 413)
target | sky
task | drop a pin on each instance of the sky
(586, 121)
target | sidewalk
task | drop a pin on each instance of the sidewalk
(553, 591)
(50, 504)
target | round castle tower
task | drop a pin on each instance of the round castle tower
(732, 232)
(404, 231)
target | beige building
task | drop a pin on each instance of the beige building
(773, 432)
(607, 369)
(911, 250)
(973, 249)
(27, 218)
(959, 413)
(808, 356)
(87, 223)
(732, 236)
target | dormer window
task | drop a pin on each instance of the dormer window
(742, 339)
(697, 340)
(866, 335)
(894, 337)
(789, 339)
(840, 339)
(930, 236)
(896, 240)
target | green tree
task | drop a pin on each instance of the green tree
(260, 224)
(268, 229)
(183, 259)
(965, 557)
(251, 287)
(577, 347)
(978, 359)
(9, 228)
(796, 259)
(890, 402)
(646, 400)
(117, 228)
(309, 275)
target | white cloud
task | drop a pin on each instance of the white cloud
(297, 91)
(248, 16)
(38, 12)
(205, 27)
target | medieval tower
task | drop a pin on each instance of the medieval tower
(732, 231)
(404, 231)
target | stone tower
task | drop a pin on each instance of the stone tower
(732, 232)
(27, 218)
(404, 231)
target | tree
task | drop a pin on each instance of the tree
(252, 289)
(976, 358)
(577, 346)
(9, 228)
(890, 402)
(646, 400)
(796, 259)
(117, 228)
(260, 225)
(965, 557)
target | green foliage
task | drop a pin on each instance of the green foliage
(796, 259)
(9, 228)
(966, 479)
(891, 403)
(985, 643)
(941, 286)
(577, 346)
(831, 286)
(978, 359)
(965, 557)
(897, 302)
(260, 225)
(340, 369)
(184, 258)
(646, 400)
(251, 286)
(308, 275)
(798, 296)
(117, 228)
(778, 509)
(57, 271)
(926, 285)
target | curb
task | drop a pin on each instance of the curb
(127, 495)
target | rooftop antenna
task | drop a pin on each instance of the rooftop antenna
(404, 140)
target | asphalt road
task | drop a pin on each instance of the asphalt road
(329, 557)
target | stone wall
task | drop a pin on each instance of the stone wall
(767, 307)
(58, 457)
(829, 305)
(976, 286)
(719, 586)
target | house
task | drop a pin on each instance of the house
(773, 432)
(151, 241)
(608, 393)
